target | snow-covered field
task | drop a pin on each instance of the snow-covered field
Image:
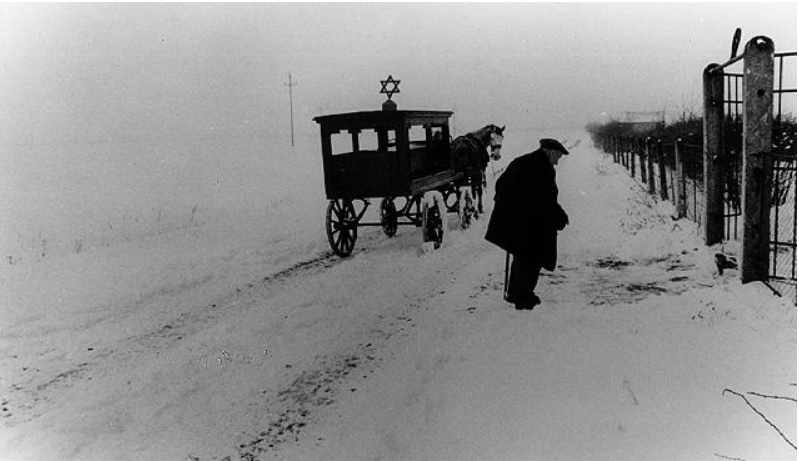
(208, 321)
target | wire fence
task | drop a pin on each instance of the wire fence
(671, 169)
(750, 160)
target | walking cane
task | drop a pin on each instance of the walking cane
(507, 266)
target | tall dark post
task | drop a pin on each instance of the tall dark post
(291, 84)
(714, 157)
(650, 165)
(639, 144)
(679, 181)
(626, 152)
(758, 96)
(664, 185)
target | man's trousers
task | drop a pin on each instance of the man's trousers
(522, 280)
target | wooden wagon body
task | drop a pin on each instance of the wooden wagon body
(386, 154)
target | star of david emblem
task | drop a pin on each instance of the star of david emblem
(385, 86)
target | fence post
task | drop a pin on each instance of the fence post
(641, 161)
(627, 153)
(679, 181)
(664, 185)
(713, 153)
(649, 165)
(633, 167)
(758, 97)
(630, 159)
(622, 152)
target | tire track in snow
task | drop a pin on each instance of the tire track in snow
(28, 398)
(313, 393)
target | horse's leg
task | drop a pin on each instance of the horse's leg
(465, 206)
(477, 191)
(480, 198)
(483, 185)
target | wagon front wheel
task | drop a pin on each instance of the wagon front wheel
(342, 226)
(388, 216)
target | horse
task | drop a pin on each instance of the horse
(470, 157)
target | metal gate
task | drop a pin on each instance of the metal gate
(750, 159)
(732, 142)
(782, 196)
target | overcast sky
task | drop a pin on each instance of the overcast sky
(120, 71)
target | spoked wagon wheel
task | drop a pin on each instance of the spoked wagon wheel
(388, 216)
(342, 226)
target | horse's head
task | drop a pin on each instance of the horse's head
(495, 141)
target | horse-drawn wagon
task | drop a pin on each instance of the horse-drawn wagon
(403, 157)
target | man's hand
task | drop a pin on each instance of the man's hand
(563, 221)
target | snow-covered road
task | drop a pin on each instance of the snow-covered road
(401, 353)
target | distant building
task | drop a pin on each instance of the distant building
(642, 122)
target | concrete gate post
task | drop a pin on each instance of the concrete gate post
(758, 102)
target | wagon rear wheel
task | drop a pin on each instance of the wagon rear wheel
(342, 226)
(388, 216)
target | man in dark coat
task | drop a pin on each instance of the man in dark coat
(526, 219)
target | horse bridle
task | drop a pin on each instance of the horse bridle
(496, 146)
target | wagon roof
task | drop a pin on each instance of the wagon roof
(379, 116)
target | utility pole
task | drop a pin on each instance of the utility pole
(291, 84)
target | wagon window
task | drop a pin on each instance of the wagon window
(392, 141)
(341, 142)
(417, 136)
(367, 139)
(437, 134)
(386, 140)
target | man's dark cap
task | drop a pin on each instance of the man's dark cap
(554, 144)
